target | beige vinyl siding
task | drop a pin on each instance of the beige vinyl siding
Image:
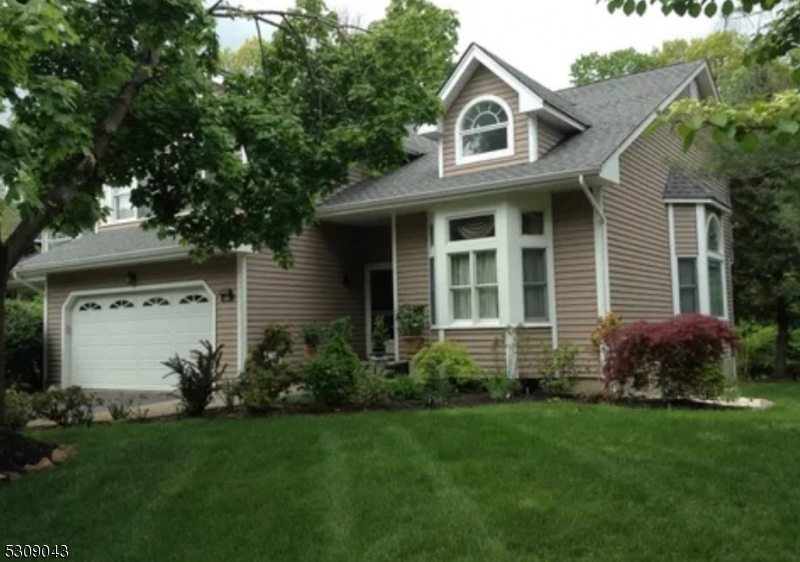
(219, 273)
(685, 230)
(548, 135)
(638, 230)
(487, 346)
(576, 285)
(484, 82)
(325, 283)
(529, 347)
(412, 263)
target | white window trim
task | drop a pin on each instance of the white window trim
(495, 154)
(720, 257)
(679, 257)
(508, 243)
(110, 195)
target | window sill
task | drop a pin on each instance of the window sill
(537, 324)
(486, 156)
(471, 326)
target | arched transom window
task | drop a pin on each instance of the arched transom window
(716, 267)
(485, 130)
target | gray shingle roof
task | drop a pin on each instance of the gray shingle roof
(616, 108)
(550, 97)
(686, 185)
(103, 245)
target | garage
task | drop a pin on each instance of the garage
(118, 340)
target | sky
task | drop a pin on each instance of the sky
(540, 37)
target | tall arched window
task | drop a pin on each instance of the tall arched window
(716, 266)
(485, 130)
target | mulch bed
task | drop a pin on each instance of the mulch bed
(17, 451)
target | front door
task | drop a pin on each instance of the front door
(380, 302)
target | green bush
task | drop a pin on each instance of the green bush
(371, 388)
(499, 386)
(66, 406)
(312, 335)
(756, 356)
(331, 375)
(712, 383)
(121, 410)
(267, 375)
(411, 320)
(558, 368)
(341, 329)
(24, 343)
(198, 380)
(445, 359)
(19, 409)
(402, 389)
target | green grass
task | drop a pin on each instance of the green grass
(511, 482)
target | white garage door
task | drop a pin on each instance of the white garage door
(120, 340)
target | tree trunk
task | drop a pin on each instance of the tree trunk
(3, 287)
(782, 340)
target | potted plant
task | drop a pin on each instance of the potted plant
(411, 325)
(312, 337)
(380, 334)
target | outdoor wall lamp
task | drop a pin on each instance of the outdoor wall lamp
(227, 295)
(131, 279)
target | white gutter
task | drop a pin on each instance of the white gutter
(592, 200)
(18, 279)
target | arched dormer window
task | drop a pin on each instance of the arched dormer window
(485, 130)
(716, 267)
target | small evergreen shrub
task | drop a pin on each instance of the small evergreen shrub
(267, 375)
(19, 409)
(499, 386)
(673, 355)
(312, 335)
(445, 359)
(371, 388)
(198, 379)
(331, 375)
(66, 407)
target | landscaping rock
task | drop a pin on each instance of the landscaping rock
(43, 464)
(64, 453)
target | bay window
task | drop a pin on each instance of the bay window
(716, 260)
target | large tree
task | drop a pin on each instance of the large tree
(776, 119)
(131, 92)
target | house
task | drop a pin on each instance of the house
(522, 206)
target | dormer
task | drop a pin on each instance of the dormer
(496, 116)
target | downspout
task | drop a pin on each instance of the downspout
(21, 281)
(592, 200)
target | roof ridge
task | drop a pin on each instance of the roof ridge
(638, 72)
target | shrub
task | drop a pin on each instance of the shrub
(499, 386)
(122, 410)
(404, 388)
(712, 382)
(411, 320)
(559, 368)
(19, 409)
(445, 359)
(275, 344)
(371, 388)
(198, 380)
(312, 335)
(266, 375)
(330, 376)
(66, 406)
(260, 387)
(672, 355)
(24, 343)
(341, 328)
(605, 325)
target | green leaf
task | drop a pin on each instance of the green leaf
(727, 8)
(711, 10)
(796, 76)
(629, 7)
(788, 126)
(719, 136)
(749, 142)
(718, 120)
(641, 7)
(695, 10)
(688, 140)
(694, 122)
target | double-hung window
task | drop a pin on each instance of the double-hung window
(472, 257)
(121, 207)
(535, 297)
(687, 282)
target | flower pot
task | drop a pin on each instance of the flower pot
(310, 352)
(412, 345)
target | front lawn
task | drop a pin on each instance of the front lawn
(531, 481)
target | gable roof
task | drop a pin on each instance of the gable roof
(615, 108)
(550, 97)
